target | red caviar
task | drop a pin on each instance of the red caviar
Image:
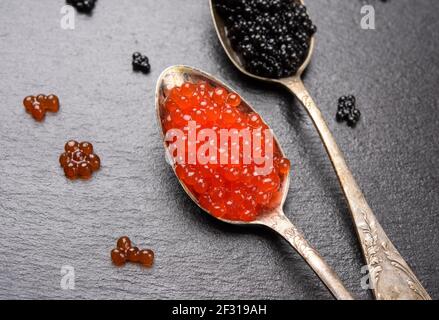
(78, 160)
(124, 252)
(232, 191)
(38, 105)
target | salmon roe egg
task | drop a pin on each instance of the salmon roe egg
(118, 257)
(233, 100)
(124, 243)
(146, 257)
(232, 191)
(284, 165)
(38, 112)
(133, 254)
(219, 95)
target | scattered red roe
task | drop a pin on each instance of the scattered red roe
(228, 191)
(38, 105)
(126, 252)
(78, 160)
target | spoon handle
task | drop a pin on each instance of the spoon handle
(389, 275)
(280, 223)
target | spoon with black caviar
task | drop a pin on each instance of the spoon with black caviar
(273, 218)
(273, 41)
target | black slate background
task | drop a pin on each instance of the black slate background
(47, 221)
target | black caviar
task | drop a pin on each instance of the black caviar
(85, 6)
(347, 110)
(141, 62)
(271, 36)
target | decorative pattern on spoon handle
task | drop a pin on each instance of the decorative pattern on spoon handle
(285, 228)
(390, 276)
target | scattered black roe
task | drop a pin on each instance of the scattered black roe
(85, 6)
(347, 110)
(271, 36)
(140, 62)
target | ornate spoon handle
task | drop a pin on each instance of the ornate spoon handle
(280, 223)
(389, 275)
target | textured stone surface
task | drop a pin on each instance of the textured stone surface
(47, 221)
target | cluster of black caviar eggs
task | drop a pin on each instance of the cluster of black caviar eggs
(271, 36)
(82, 5)
(140, 62)
(347, 110)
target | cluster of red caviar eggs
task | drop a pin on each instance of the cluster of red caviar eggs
(78, 160)
(228, 191)
(124, 252)
(209, 107)
(234, 192)
(38, 105)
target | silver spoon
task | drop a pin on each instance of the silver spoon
(389, 275)
(275, 219)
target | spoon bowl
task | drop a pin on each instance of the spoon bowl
(391, 278)
(273, 218)
(234, 57)
(176, 76)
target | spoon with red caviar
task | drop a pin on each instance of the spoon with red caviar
(232, 193)
(279, 52)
